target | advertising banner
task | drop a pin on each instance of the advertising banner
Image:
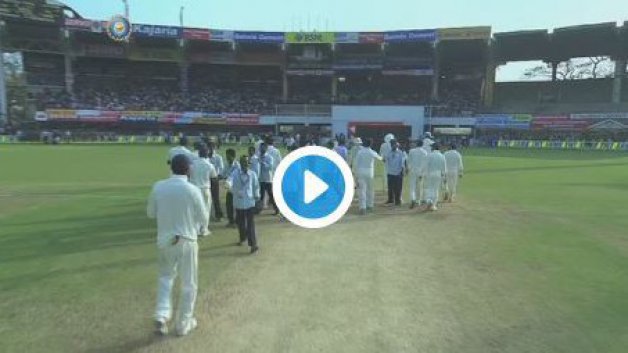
(411, 72)
(204, 118)
(242, 119)
(452, 121)
(371, 38)
(218, 35)
(60, 114)
(500, 122)
(426, 35)
(559, 123)
(310, 37)
(464, 33)
(347, 37)
(460, 131)
(154, 54)
(196, 34)
(142, 30)
(600, 116)
(310, 72)
(75, 24)
(259, 37)
(97, 115)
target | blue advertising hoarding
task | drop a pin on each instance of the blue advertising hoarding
(259, 37)
(142, 30)
(424, 35)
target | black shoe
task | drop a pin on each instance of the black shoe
(413, 205)
(254, 249)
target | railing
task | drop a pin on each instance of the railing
(303, 110)
(565, 145)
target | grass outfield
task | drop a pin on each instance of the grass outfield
(532, 258)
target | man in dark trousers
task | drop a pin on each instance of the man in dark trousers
(231, 166)
(216, 160)
(395, 166)
(244, 185)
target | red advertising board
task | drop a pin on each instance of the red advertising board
(559, 123)
(371, 38)
(196, 34)
(242, 119)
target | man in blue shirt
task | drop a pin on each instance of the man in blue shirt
(244, 185)
(232, 165)
(395, 165)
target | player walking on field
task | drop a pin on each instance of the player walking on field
(180, 211)
(417, 165)
(364, 166)
(455, 170)
(201, 173)
(436, 172)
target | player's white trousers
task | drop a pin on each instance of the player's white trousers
(452, 184)
(432, 188)
(181, 258)
(416, 184)
(207, 198)
(367, 191)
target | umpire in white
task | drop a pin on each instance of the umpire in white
(180, 212)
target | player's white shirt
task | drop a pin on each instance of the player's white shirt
(353, 154)
(417, 161)
(175, 151)
(436, 165)
(217, 161)
(276, 154)
(365, 162)
(385, 149)
(454, 161)
(200, 173)
(179, 209)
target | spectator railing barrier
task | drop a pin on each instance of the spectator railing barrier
(564, 145)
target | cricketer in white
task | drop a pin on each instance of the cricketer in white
(364, 165)
(180, 211)
(201, 173)
(417, 164)
(455, 170)
(436, 173)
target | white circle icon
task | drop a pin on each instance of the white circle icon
(313, 187)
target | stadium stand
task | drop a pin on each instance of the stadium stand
(168, 75)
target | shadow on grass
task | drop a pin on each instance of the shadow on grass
(130, 346)
(75, 235)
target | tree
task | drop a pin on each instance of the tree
(574, 69)
(17, 90)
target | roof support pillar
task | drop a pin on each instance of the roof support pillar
(620, 74)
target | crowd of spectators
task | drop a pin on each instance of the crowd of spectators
(156, 96)
(106, 93)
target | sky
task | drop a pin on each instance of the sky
(361, 15)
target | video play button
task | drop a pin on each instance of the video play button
(313, 187)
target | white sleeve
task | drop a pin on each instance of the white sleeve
(151, 209)
(460, 165)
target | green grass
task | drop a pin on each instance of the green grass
(532, 258)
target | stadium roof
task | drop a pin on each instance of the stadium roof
(603, 39)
